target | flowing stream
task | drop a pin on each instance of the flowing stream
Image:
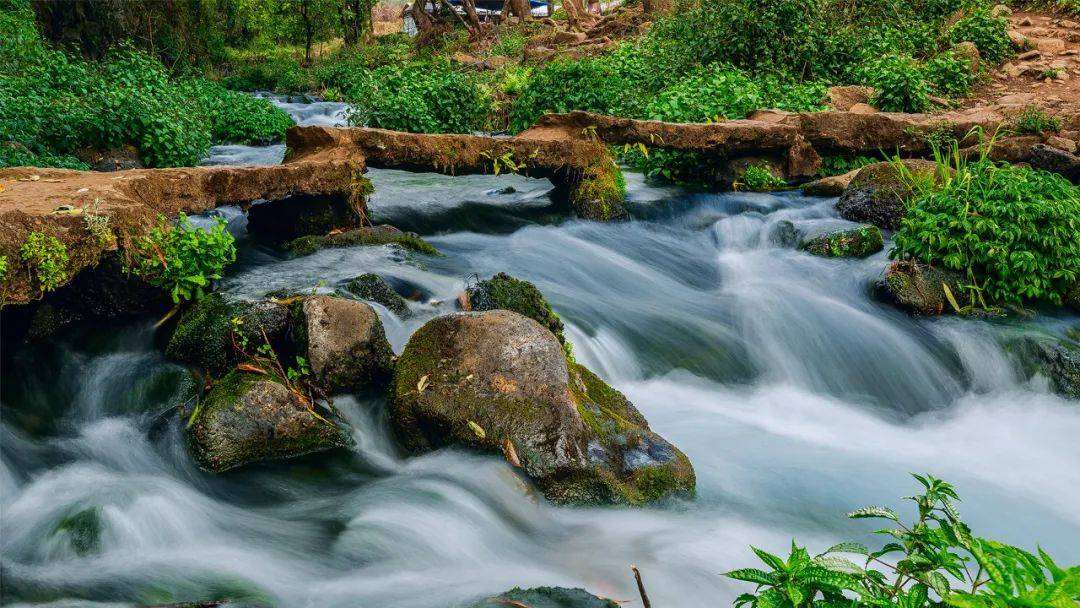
(796, 396)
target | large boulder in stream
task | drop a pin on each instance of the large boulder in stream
(920, 289)
(500, 382)
(344, 343)
(545, 597)
(253, 417)
(878, 193)
(858, 242)
(504, 292)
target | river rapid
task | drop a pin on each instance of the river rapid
(796, 396)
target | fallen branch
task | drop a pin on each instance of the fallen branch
(641, 588)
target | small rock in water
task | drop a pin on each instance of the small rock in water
(877, 193)
(344, 343)
(545, 597)
(498, 191)
(372, 287)
(850, 243)
(203, 337)
(918, 289)
(505, 292)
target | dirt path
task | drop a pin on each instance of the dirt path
(1047, 75)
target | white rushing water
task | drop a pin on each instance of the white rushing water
(796, 396)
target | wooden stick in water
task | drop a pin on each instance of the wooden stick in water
(641, 588)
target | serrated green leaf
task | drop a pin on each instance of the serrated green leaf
(874, 512)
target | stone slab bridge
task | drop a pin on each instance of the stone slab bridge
(320, 186)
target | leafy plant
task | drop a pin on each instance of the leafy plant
(758, 178)
(98, 226)
(989, 33)
(183, 259)
(1036, 122)
(839, 165)
(899, 83)
(3, 268)
(950, 74)
(47, 258)
(1011, 230)
(932, 562)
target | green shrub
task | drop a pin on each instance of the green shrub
(421, 97)
(949, 74)
(564, 85)
(1011, 230)
(759, 178)
(990, 35)
(839, 165)
(713, 93)
(47, 258)
(899, 83)
(3, 268)
(183, 259)
(1034, 121)
(238, 117)
(932, 562)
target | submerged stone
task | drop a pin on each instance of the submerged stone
(919, 289)
(505, 292)
(499, 382)
(344, 343)
(249, 417)
(1056, 360)
(546, 597)
(878, 193)
(367, 235)
(204, 339)
(372, 287)
(848, 243)
(82, 529)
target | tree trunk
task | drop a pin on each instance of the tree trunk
(575, 12)
(504, 14)
(309, 28)
(521, 9)
(470, 14)
(421, 17)
(348, 23)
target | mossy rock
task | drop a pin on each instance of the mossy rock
(82, 530)
(601, 193)
(373, 288)
(499, 382)
(546, 597)
(878, 193)
(249, 418)
(505, 292)
(858, 242)
(1058, 360)
(919, 289)
(203, 337)
(368, 235)
(344, 343)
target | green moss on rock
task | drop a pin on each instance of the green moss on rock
(253, 417)
(368, 235)
(601, 193)
(505, 292)
(851, 243)
(372, 287)
(546, 597)
(82, 529)
(918, 289)
(878, 193)
(582, 441)
(203, 336)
